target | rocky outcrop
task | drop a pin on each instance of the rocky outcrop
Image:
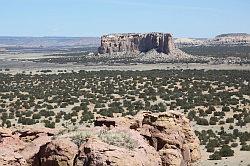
(169, 133)
(9, 145)
(164, 139)
(136, 43)
(20, 147)
(98, 152)
(60, 152)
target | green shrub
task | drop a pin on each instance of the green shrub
(210, 149)
(219, 114)
(191, 115)
(225, 109)
(230, 120)
(226, 151)
(245, 148)
(118, 139)
(215, 156)
(81, 137)
(106, 112)
(212, 122)
(36, 116)
(210, 110)
(247, 119)
(49, 124)
(234, 145)
(202, 121)
(8, 123)
(221, 122)
(87, 116)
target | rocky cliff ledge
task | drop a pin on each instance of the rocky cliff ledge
(137, 42)
(164, 139)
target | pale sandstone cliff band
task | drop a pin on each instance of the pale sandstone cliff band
(137, 42)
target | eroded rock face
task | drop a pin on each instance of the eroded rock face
(137, 42)
(169, 133)
(164, 139)
(172, 136)
(9, 145)
(96, 152)
(60, 152)
(20, 147)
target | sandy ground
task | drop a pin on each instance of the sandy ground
(19, 66)
(241, 158)
(8, 61)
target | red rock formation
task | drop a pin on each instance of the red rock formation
(97, 152)
(58, 152)
(20, 147)
(172, 136)
(169, 133)
(164, 139)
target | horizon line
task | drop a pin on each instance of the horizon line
(73, 36)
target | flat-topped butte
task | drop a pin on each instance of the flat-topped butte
(136, 42)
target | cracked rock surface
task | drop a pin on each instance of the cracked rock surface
(147, 139)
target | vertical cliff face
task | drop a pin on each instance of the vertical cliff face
(133, 42)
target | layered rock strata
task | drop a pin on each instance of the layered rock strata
(136, 43)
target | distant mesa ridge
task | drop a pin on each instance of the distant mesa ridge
(229, 39)
(137, 42)
(233, 35)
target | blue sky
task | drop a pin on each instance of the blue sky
(183, 18)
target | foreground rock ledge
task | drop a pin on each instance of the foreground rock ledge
(164, 139)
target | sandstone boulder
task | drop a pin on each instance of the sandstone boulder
(31, 150)
(9, 157)
(171, 134)
(20, 147)
(9, 146)
(60, 152)
(97, 152)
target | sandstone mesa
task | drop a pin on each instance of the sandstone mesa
(137, 42)
(153, 46)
